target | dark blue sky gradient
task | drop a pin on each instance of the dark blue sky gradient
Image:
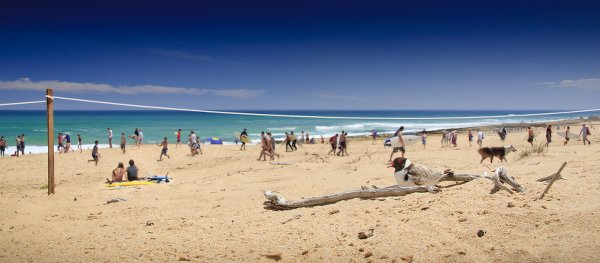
(311, 54)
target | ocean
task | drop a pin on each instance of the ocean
(92, 125)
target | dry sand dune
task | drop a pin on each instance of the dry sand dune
(212, 210)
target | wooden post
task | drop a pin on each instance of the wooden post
(50, 122)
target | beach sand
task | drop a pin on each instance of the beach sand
(212, 211)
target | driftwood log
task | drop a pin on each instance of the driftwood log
(500, 178)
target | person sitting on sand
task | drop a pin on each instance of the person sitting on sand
(117, 174)
(132, 171)
(165, 148)
(95, 154)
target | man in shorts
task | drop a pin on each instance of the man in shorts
(178, 138)
(95, 154)
(401, 141)
(585, 131)
(123, 142)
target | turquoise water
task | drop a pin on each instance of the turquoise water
(92, 125)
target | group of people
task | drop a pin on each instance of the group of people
(64, 143)
(583, 133)
(267, 146)
(118, 174)
(339, 144)
(19, 143)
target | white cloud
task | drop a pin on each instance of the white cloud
(65, 86)
(591, 84)
(179, 54)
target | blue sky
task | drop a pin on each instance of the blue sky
(304, 54)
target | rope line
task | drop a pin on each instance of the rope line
(22, 103)
(318, 117)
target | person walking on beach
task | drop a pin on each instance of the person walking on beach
(79, 145)
(480, 138)
(95, 154)
(548, 135)
(67, 142)
(530, 136)
(265, 146)
(400, 141)
(374, 136)
(165, 148)
(294, 140)
(333, 141)
(444, 140)
(470, 137)
(110, 135)
(2, 146)
(123, 142)
(272, 141)
(567, 135)
(59, 146)
(179, 139)
(584, 133)
(243, 139)
(423, 139)
(287, 142)
(342, 144)
(454, 138)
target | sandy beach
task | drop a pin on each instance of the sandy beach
(212, 210)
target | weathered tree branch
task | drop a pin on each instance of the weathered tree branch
(500, 178)
(554, 178)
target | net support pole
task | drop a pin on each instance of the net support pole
(50, 122)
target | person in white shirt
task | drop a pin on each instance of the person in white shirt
(480, 138)
(110, 135)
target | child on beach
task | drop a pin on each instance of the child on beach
(165, 148)
(2, 146)
(243, 139)
(95, 154)
(123, 142)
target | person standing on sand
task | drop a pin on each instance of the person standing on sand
(423, 139)
(548, 135)
(2, 146)
(18, 145)
(333, 142)
(165, 148)
(567, 135)
(179, 139)
(272, 141)
(110, 135)
(60, 143)
(95, 154)
(141, 139)
(243, 139)
(400, 141)
(530, 136)
(480, 138)
(22, 144)
(470, 137)
(585, 131)
(307, 141)
(374, 136)
(79, 145)
(302, 137)
(123, 142)
(342, 144)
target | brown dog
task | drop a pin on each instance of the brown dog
(500, 152)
